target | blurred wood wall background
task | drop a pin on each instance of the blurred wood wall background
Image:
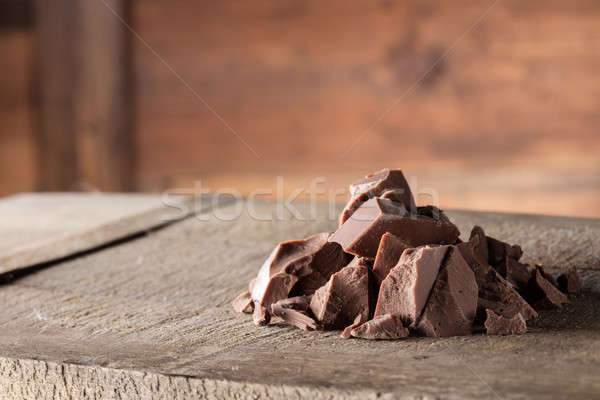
(508, 120)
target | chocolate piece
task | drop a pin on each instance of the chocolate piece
(434, 213)
(570, 282)
(494, 292)
(294, 311)
(480, 244)
(498, 251)
(451, 308)
(347, 333)
(388, 253)
(261, 315)
(543, 294)
(547, 275)
(360, 235)
(343, 298)
(498, 325)
(304, 265)
(388, 326)
(376, 184)
(406, 288)
(356, 261)
(243, 303)
(515, 272)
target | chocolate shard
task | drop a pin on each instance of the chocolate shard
(243, 303)
(406, 288)
(347, 332)
(303, 265)
(434, 213)
(452, 305)
(387, 326)
(388, 253)
(480, 244)
(261, 315)
(543, 294)
(515, 272)
(547, 275)
(294, 311)
(494, 292)
(498, 251)
(373, 185)
(360, 235)
(498, 325)
(343, 298)
(569, 282)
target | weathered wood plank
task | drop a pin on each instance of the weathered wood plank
(153, 317)
(37, 228)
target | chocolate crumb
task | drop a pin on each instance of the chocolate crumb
(498, 325)
(243, 303)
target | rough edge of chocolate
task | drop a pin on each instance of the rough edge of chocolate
(347, 332)
(542, 294)
(498, 325)
(384, 327)
(295, 313)
(569, 282)
(261, 316)
(243, 303)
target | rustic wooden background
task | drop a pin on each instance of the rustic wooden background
(507, 120)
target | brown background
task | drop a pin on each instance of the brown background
(507, 120)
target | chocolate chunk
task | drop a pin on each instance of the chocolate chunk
(356, 261)
(391, 182)
(494, 292)
(347, 333)
(434, 213)
(261, 315)
(343, 298)
(480, 244)
(387, 326)
(498, 251)
(294, 311)
(515, 272)
(570, 282)
(498, 325)
(243, 303)
(452, 305)
(547, 275)
(304, 265)
(360, 235)
(406, 288)
(543, 294)
(388, 253)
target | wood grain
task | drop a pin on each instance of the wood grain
(152, 317)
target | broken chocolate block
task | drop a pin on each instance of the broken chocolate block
(389, 252)
(494, 291)
(452, 305)
(406, 288)
(243, 303)
(570, 282)
(498, 325)
(304, 265)
(543, 294)
(294, 311)
(360, 235)
(387, 326)
(391, 182)
(347, 332)
(343, 298)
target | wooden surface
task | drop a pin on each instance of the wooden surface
(37, 228)
(151, 317)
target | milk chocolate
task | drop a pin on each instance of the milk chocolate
(303, 265)
(390, 182)
(498, 325)
(295, 311)
(261, 316)
(434, 213)
(569, 282)
(243, 303)
(452, 305)
(543, 294)
(494, 292)
(480, 244)
(347, 332)
(549, 277)
(360, 235)
(406, 288)
(388, 253)
(387, 326)
(343, 298)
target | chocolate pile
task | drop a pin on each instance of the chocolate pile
(392, 269)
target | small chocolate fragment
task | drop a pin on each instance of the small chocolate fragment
(434, 213)
(390, 182)
(343, 298)
(480, 244)
(515, 272)
(304, 265)
(543, 294)
(389, 252)
(347, 333)
(294, 311)
(498, 325)
(569, 282)
(360, 235)
(243, 303)
(406, 288)
(261, 315)
(494, 291)
(387, 326)
(452, 305)
(547, 275)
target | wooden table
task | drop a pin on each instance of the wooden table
(148, 315)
